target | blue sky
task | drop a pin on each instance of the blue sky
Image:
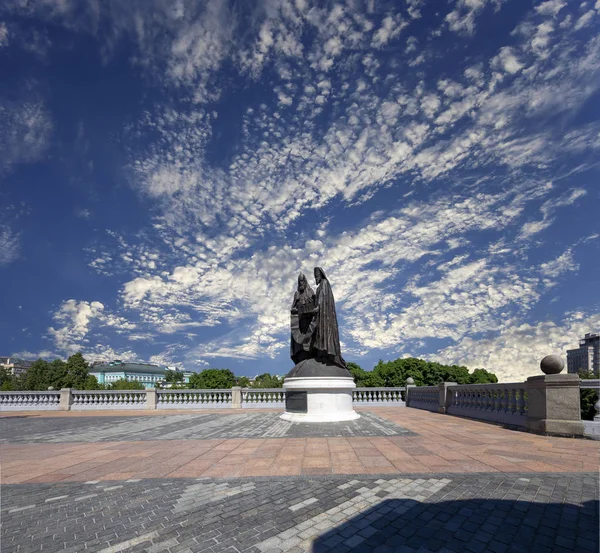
(168, 168)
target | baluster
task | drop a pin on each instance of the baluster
(521, 401)
(506, 400)
(512, 403)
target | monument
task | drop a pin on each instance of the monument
(319, 387)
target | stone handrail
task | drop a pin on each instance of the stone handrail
(505, 403)
(197, 399)
(86, 400)
(30, 401)
(423, 397)
(378, 396)
(592, 428)
(262, 397)
(592, 384)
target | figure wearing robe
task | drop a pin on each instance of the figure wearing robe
(302, 320)
(325, 345)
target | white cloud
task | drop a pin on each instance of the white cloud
(516, 351)
(25, 130)
(559, 266)
(336, 125)
(390, 29)
(3, 35)
(462, 19)
(507, 60)
(10, 245)
(75, 321)
(552, 7)
(585, 20)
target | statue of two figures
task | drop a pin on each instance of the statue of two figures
(314, 325)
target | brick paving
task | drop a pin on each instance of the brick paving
(433, 513)
(402, 480)
(187, 427)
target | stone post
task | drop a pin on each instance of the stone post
(554, 404)
(151, 398)
(410, 383)
(236, 397)
(444, 396)
(66, 399)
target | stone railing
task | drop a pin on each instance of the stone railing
(262, 397)
(232, 398)
(88, 400)
(30, 401)
(592, 428)
(195, 399)
(502, 403)
(423, 397)
(548, 404)
(378, 397)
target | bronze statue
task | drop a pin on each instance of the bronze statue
(315, 333)
(303, 323)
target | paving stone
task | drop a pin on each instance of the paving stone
(188, 427)
(433, 512)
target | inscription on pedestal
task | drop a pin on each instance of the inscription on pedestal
(296, 402)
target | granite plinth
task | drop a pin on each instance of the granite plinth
(324, 399)
(310, 368)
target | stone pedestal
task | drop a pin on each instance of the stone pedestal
(318, 392)
(554, 404)
(319, 399)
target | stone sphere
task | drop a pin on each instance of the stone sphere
(552, 364)
(410, 380)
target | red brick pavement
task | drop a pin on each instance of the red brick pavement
(443, 444)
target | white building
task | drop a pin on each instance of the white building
(150, 376)
(586, 357)
(15, 365)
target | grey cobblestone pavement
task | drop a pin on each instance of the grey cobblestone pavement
(179, 427)
(426, 513)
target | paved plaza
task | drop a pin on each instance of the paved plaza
(397, 479)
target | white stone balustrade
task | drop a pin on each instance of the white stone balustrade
(501, 403)
(423, 397)
(30, 401)
(88, 400)
(592, 428)
(378, 397)
(262, 397)
(195, 399)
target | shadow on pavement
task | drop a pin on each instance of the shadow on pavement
(466, 526)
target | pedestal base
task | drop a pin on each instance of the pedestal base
(319, 399)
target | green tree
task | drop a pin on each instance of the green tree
(364, 379)
(243, 381)
(5, 379)
(123, 384)
(427, 373)
(588, 397)
(267, 380)
(212, 379)
(56, 375)
(77, 371)
(481, 376)
(174, 377)
(38, 376)
(91, 383)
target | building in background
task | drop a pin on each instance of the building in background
(149, 375)
(15, 365)
(586, 357)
